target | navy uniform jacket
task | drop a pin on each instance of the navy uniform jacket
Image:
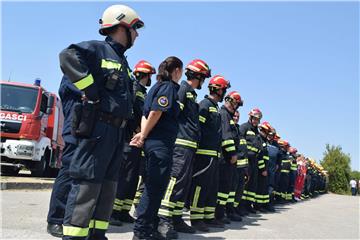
(210, 125)
(230, 137)
(253, 140)
(101, 71)
(242, 158)
(69, 96)
(189, 127)
(134, 125)
(163, 97)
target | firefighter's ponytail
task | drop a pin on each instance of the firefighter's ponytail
(167, 67)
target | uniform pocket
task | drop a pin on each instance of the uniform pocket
(82, 164)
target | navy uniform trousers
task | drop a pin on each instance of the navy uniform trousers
(94, 168)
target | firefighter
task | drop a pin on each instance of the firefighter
(100, 70)
(204, 187)
(293, 173)
(69, 96)
(284, 171)
(262, 195)
(227, 166)
(159, 128)
(172, 204)
(241, 174)
(249, 131)
(130, 167)
(274, 165)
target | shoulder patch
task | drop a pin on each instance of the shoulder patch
(163, 101)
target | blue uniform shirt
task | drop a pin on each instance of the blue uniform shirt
(69, 96)
(163, 97)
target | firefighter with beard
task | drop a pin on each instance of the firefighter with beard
(262, 195)
(188, 137)
(227, 166)
(130, 167)
(249, 131)
(204, 187)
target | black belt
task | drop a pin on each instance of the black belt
(110, 119)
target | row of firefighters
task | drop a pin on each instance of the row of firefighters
(221, 170)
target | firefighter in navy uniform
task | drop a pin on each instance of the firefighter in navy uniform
(284, 171)
(69, 96)
(241, 174)
(204, 187)
(159, 128)
(249, 131)
(99, 69)
(130, 167)
(227, 166)
(186, 143)
(293, 173)
(262, 195)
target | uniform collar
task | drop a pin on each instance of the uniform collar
(211, 100)
(188, 86)
(119, 49)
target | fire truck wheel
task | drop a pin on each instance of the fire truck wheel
(39, 169)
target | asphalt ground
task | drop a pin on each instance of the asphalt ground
(328, 216)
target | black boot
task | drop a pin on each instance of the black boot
(234, 217)
(55, 230)
(181, 226)
(200, 225)
(124, 216)
(115, 219)
(214, 223)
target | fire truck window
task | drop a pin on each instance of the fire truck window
(44, 100)
(18, 98)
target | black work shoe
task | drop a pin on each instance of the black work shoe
(224, 220)
(251, 210)
(263, 210)
(115, 221)
(181, 226)
(270, 208)
(55, 230)
(167, 231)
(235, 217)
(199, 225)
(125, 217)
(214, 223)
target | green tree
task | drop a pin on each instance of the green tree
(337, 163)
(355, 175)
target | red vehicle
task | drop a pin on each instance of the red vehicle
(31, 126)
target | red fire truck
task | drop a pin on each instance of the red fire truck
(31, 125)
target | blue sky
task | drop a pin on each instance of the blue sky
(298, 62)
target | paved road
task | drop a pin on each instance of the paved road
(327, 217)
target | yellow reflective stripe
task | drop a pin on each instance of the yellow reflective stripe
(196, 209)
(227, 142)
(127, 207)
(207, 152)
(177, 212)
(140, 94)
(75, 231)
(209, 209)
(102, 225)
(189, 95)
(202, 119)
(185, 142)
(180, 204)
(129, 72)
(196, 197)
(165, 212)
(118, 201)
(209, 216)
(108, 64)
(181, 105)
(228, 149)
(142, 154)
(84, 82)
(167, 204)
(117, 208)
(250, 133)
(196, 216)
(243, 142)
(241, 162)
(232, 122)
(285, 171)
(285, 161)
(231, 193)
(92, 223)
(170, 188)
(261, 162)
(222, 195)
(230, 200)
(213, 109)
(266, 158)
(254, 149)
(249, 193)
(222, 202)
